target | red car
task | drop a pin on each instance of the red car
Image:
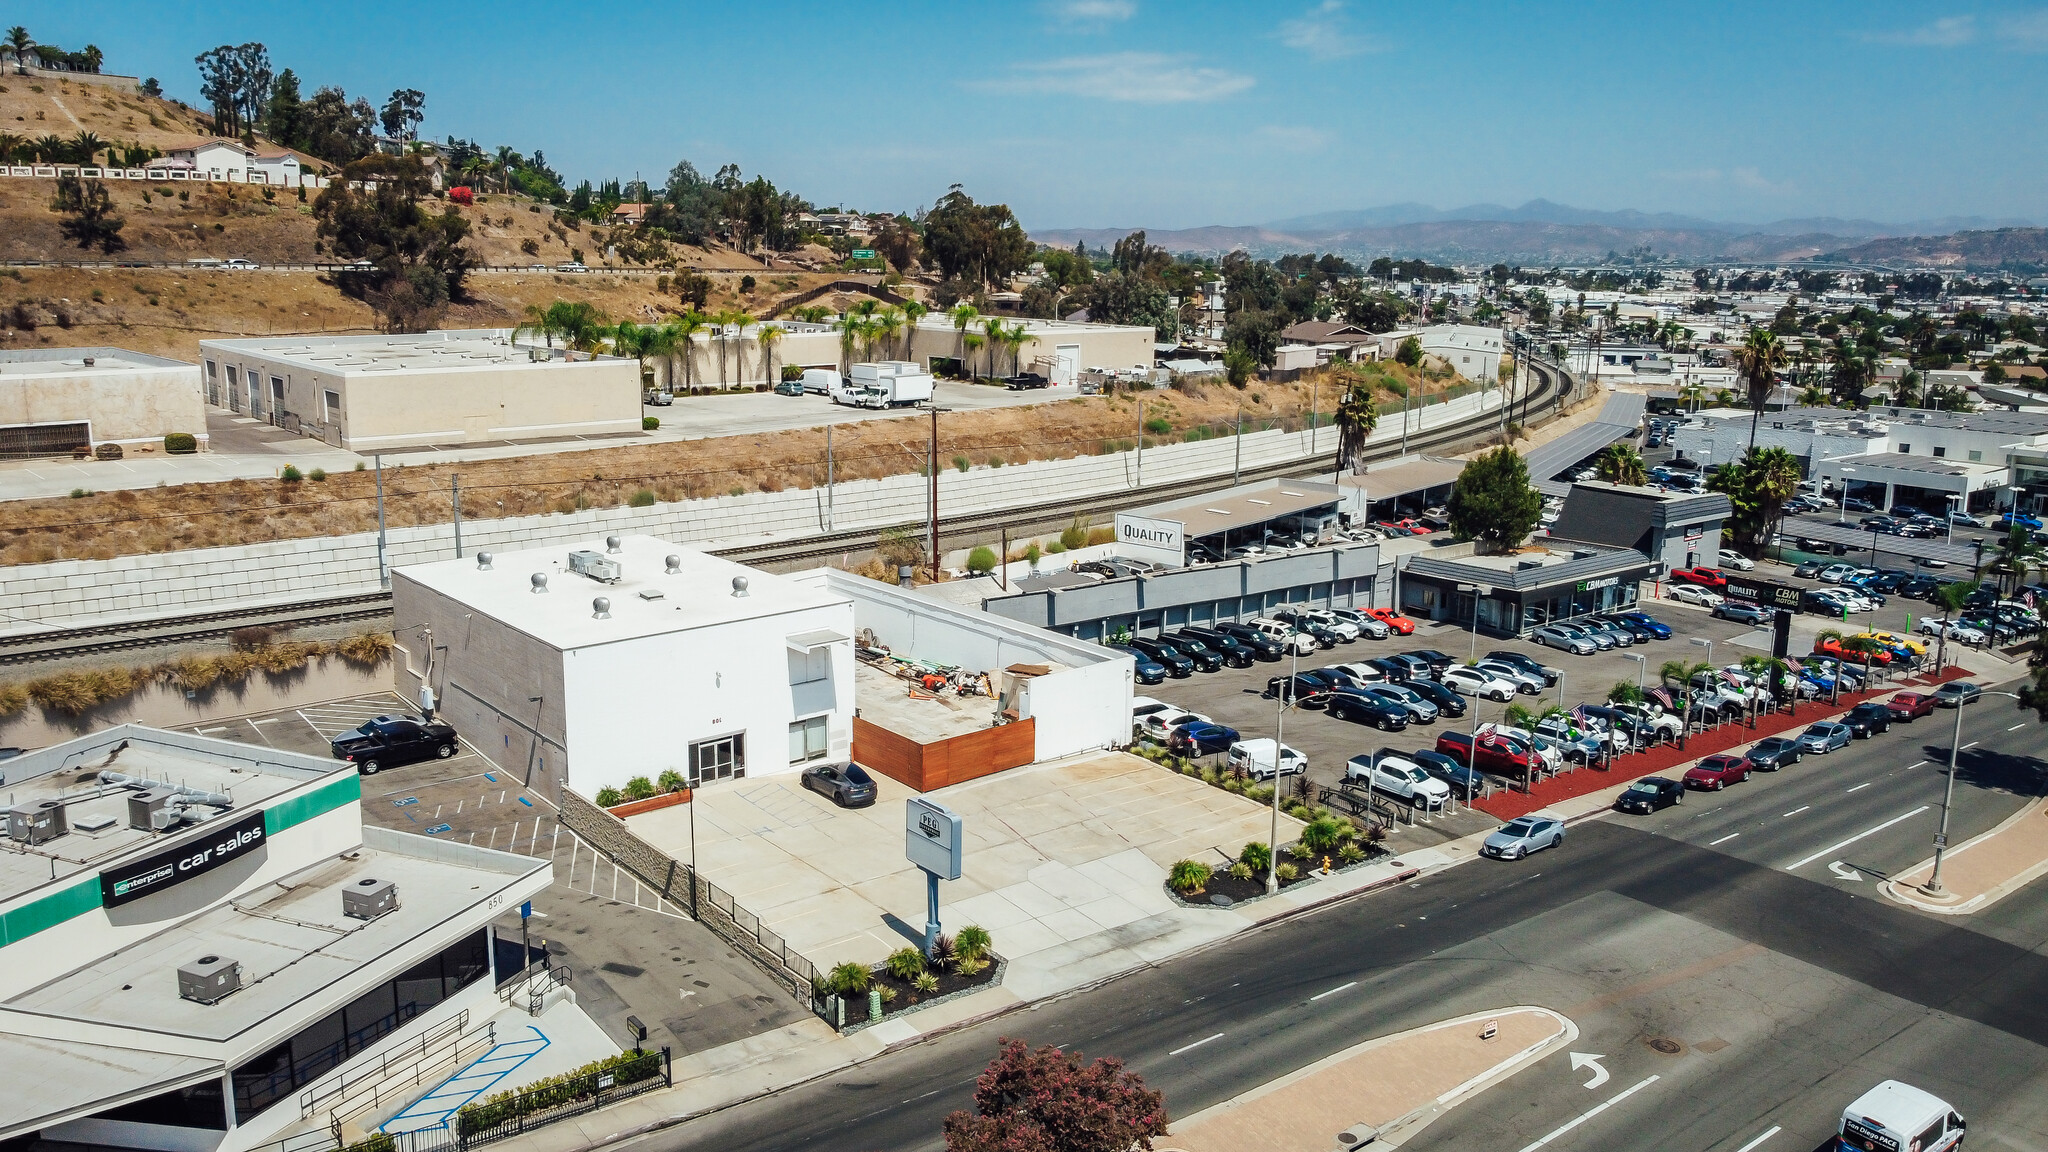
(1717, 772)
(1835, 649)
(1500, 755)
(1393, 620)
(1905, 706)
(1415, 526)
(1705, 577)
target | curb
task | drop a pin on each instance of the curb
(1899, 894)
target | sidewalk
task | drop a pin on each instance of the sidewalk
(1386, 1089)
(1983, 870)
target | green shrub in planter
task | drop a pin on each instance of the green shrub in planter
(1240, 871)
(972, 940)
(982, 560)
(1188, 876)
(905, 963)
(639, 788)
(1287, 872)
(969, 965)
(607, 797)
(849, 979)
(317, 475)
(291, 474)
(181, 443)
(1324, 833)
(649, 423)
(1255, 855)
(1350, 853)
(926, 983)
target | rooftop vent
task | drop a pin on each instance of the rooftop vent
(739, 585)
(613, 544)
(651, 594)
(594, 565)
(675, 565)
(539, 355)
(37, 822)
(368, 898)
(483, 561)
(209, 979)
(540, 581)
(88, 361)
(601, 608)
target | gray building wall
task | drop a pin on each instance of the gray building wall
(1343, 577)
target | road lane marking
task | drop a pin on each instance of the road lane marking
(1970, 745)
(1196, 1044)
(1798, 810)
(1334, 991)
(2017, 727)
(1915, 764)
(1597, 1109)
(1724, 839)
(1756, 1143)
(1856, 837)
(1862, 786)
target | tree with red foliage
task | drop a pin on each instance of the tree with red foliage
(1047, 1101)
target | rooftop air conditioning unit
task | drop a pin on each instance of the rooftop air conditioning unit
(37, 822)
(596, 566)
(208, 979)
(367, 899)
(153, 810)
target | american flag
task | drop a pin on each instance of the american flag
(1662, 697)
(1580, 719)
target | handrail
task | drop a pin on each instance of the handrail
(335, 1093)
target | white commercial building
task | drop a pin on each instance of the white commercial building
(588, 666)
(54, 401)
(369, 393)
(203, 943)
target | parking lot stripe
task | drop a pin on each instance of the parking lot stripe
(2017, 727)
(1597, 1109)
(1862, 786)
(1334, 991)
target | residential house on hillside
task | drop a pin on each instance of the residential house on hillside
(633, 214)
(1333, 339)
(218, 158)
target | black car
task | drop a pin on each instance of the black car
(1177, 666)
(1365, 708)
(1439, 662)
(1890, 581)
(1265, 646)
(1867, 720)
(386, 743)
(1447, 702)
(1463, 781)
(1641, 631)
(1650, 794)
(1740, 612)
(1394, 669)
(1525, 663)
(1305, 689)
(1919, 587)
(1773, 753)
(1232, 651)
(848, 786)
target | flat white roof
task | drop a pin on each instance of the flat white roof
(443, 351)
(649, 599)
(72, 361)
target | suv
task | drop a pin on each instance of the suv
(1867, 720)
(1525, 663)
(1367, 625)
(1419, 666)
(1178, 664)
(1365, 708)
(1325, 636)
(1301, 643)
(1265, 646)
(1235, 652)
(1147, 670)
(1397, 776)
(1346, 630)
(386, 743)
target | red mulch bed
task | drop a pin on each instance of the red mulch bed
(1509, 804)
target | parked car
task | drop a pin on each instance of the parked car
(1203, 651)
(1741, 612)
(1836, 573)
(1201, 739)
(1867, 720)
(1345, 630)
(1957, 693)
(1160, 725)
(1365, 708)
(1525, 663)
(1324, 636)
(1718, 771)
(1289, 639)
(1148, 670)
(1774, 752)
(1235, 652)
(1463, 782)
(388, 742)
(1552, 636)
(1481, 683)
(1824, 737)
(1305, 690)
(1360, 672)
(1368, 626)
(782, 388)
(1418, 666)
(1257, 757)
(2008, 521)
(1601, 640)
(1267, 647)
(1438, 662)
(1420, 711)
(1393, 620)
(1694, 594)
(1599, 627)
(1530, 683)
(1399, 777)
(1705, 577)
(1737, 561)
(847, 785)
(1650, 794)
(1832, 647)
(1907, 707)
(1166, 655)
(1810, 570)
(1519, 837)
(1448, 703)
(1394, 671)
(1954, 630)
(1497, 755)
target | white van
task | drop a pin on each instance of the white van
(1895, 1117)
(822, 381)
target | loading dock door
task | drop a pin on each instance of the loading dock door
(1066, 363)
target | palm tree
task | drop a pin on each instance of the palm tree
(1851, 369)
(85, 146)
(769, 335)
(659, 342)
(502, 163)
(19, 40)
(1357, 417)
(970, 343)
(739, 319)
(811, 313)
(538, 320)
(1677, 675)
(1621, 464)
(687, 326)
(1013, 338)
(1761, 357)
(630, 339)
(962, 315)
(992, 329)
(1951, 598)
(1813, 397)
(849, 327)
(913, 311)
(888, 322)
(2016, 553)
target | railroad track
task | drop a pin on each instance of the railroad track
(95, 639)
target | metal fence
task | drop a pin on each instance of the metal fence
(547, 1103)
(750, 924)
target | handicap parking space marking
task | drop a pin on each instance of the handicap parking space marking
(406, 801)
(488, 776)
(525, 801)
(437, 829)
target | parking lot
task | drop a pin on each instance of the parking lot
(629, 951)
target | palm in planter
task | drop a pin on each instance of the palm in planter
(1189, 876)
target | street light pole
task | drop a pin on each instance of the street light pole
(1281, 700)
(1948, 794)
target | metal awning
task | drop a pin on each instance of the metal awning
(805, 641)
(51, 1081)
(1217, 514)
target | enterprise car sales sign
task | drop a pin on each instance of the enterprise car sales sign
(931, 837)
(219, 843)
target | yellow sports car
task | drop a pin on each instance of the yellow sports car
(1897, 640)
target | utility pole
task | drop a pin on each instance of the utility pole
(828, 477)
(1237, 461)
(383, 569)
(456, 485)
(1141, 442)
(932, 474)
(1280, 757)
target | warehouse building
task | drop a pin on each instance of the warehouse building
(201, 942)
(377, 393)
(55, 401)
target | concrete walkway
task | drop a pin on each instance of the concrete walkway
(1983, 870)
(1388, 1089)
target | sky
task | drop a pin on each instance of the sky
(1143, 113)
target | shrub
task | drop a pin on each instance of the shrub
(1158, 426)
(639, 788)
(649, 423)
(553, 1092)
(962, 463)
(317, 475)
(1033, 553)
(181, 443)
(1325, 833)
(942, 948)
(973, 941)
(1188, 876)
(982, 559)
(360, 466)
(905, 963)
(366, 648)
(1255, 855)
(80, 493)
(609, 797)
(1350, 852)
(1240, 871)
(746, 283)
(848, 979)
(926, 982)
(969, 965)
(644, 498)
(670, 780)
(291, 474)
(1287, 872)
(995, 461)
(888, 994)
(1075, 535)
(1055, 548)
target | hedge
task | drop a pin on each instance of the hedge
(181, 443)
(555, 1091)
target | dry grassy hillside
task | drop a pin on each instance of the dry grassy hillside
(35, 106)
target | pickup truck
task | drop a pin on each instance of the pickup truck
(386, 742)
(1026, 380)
(1494, 754)
(1397, 776)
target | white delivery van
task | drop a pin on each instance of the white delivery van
(1896, 1117)
(888, 383)
(822, 381)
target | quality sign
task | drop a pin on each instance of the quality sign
(217, 844)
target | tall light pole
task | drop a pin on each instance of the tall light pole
(1281, 701)
(1842, 517)
(1948, 795)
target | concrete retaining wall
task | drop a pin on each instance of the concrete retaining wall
(165, 706)
(71, 592)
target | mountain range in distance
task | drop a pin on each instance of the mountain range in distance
(1541, 233)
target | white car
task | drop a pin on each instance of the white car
(238, 262)
(1363, 673)
(1737, 561)
(1346, 630)
(1528, 682)
(1479, 682)
(1955, 630)
(1694, 594)
(1159, 725)
(1397, 776)
(1836, 573)
(1367, 626)
(1256, 758)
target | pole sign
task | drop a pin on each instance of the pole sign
(931, 837)
(217, 844)
(1146, 534)
(1763, 593)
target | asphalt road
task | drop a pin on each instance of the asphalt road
(1762, 990)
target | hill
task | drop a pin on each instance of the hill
(2014, 249)
(35, 106)
(1534, 243)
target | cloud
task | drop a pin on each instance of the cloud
(1124, 77)
(1946, 32)
(2027, 32)
(1292, 138)
(1093, 11)
(1323, 32)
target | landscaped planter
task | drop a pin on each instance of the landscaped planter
(1235, 892)
(952, 986)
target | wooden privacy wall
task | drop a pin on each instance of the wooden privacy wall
(951, 761)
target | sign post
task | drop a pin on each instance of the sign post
(932, 841)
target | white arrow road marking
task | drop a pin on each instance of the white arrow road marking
(1860, 835)
(1589, 1113)
(687, 993)
(1843, 871)
(1592, 1060)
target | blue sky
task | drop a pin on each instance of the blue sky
(1111, 113)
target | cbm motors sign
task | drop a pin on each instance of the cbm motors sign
(1148, 538)
(931, 837)
(218, 843)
